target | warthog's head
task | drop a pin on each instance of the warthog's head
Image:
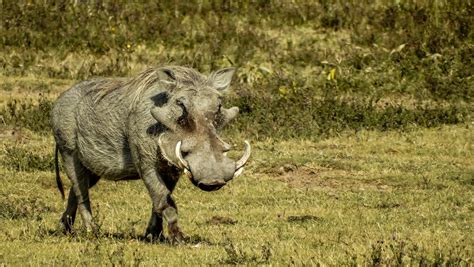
(193, 114)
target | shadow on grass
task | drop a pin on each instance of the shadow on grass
(80, 235)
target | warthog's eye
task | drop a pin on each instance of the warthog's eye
(184, 115)
(184, 119)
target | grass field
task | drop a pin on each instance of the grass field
(367, 198)
(359, 115)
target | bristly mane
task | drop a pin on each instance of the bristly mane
(134, 87)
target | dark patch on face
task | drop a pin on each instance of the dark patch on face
(160, 99)
(156, 129)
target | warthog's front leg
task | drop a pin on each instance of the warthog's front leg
(171, 215)
(163, 207)
(155, 227)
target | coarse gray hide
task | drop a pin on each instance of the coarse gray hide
(151, 127)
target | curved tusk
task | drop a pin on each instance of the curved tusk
(182, 162)
(238, 172)
(241, 162)
(187, 173)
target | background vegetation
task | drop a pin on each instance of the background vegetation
(336, 64)
(346, 103)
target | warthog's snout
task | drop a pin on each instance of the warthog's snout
(213, 176)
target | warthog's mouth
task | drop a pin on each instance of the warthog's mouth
(212, 184)
(208, 186)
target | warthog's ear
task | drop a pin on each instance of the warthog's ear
(221, 79)
(166, 75)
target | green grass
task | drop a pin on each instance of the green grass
(359, 115)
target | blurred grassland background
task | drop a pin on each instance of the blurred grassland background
(319, 83)
(394, 63)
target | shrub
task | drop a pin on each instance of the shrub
(27, 114)
(285, 51)
(21, 159)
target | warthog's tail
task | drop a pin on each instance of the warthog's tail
(59, 182)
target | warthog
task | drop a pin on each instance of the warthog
(153, 127)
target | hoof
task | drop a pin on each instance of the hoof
(177, 239)
(66, 223)
(176, 236)
(154, 235)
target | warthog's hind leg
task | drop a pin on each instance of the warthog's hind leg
(81, 179)
(69, 216)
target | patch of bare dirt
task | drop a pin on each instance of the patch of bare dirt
(325, 178)
(303, 218)
(221, 220)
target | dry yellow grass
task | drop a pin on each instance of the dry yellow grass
(364, 198)
(321, 72)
